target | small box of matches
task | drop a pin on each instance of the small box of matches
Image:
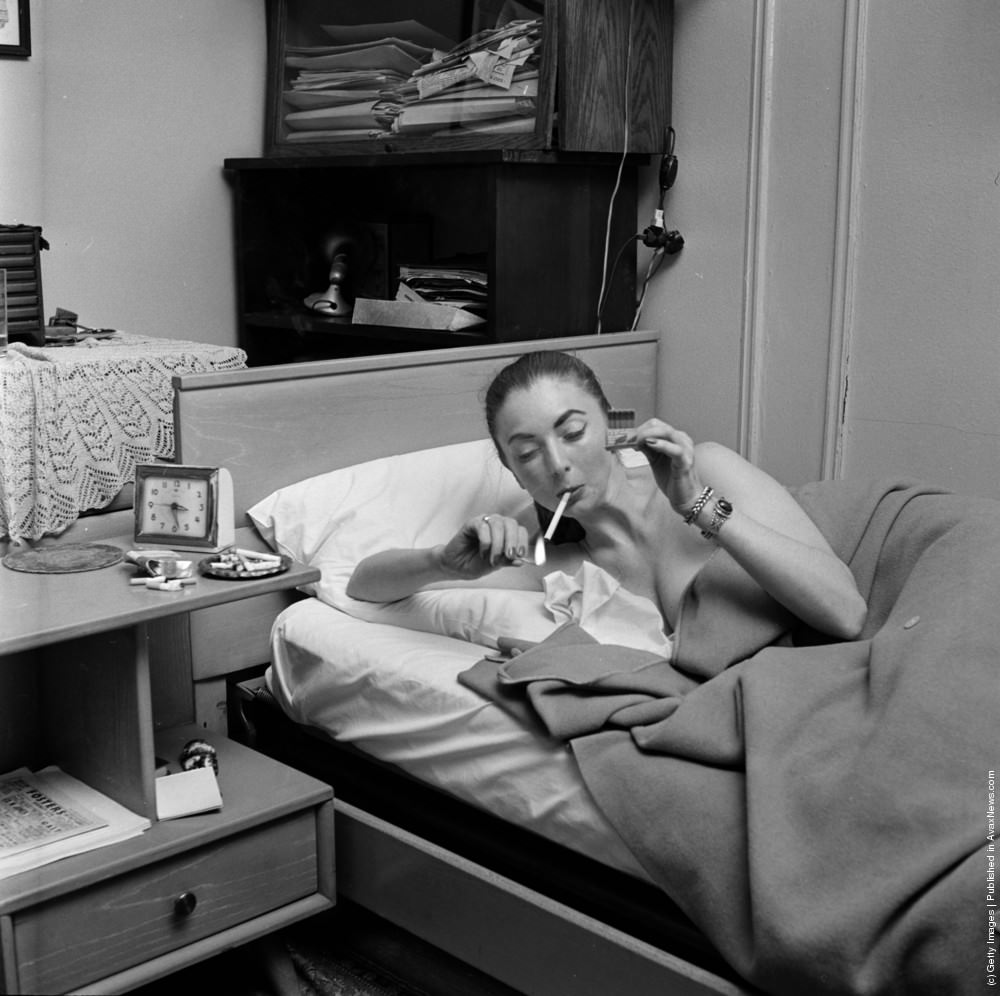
(621, 429)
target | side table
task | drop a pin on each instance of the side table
(75, 691)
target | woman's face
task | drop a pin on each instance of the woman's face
(552, 437)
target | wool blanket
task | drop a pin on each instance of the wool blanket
(820, 809)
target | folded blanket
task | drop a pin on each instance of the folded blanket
(818, 809)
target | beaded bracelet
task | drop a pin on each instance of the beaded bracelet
(700, 502)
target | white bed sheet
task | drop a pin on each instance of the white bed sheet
(394, 694)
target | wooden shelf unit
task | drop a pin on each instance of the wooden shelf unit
(544, 214)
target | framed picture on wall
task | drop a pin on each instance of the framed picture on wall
(15, 28)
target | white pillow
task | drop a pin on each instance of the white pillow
(420, 499)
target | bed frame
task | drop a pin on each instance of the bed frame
(524, 911)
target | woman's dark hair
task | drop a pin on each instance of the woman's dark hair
(541, 365)
(522, 373)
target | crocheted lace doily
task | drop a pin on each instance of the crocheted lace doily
(74, 421)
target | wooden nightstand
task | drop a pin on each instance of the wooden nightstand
(75, 691)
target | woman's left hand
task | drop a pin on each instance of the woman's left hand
(670, 453)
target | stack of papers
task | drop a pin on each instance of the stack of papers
(444, 284)
(476, 106)
(48, 815)
(402, 78)
(349, 89)
(488, 84)
(438, 297)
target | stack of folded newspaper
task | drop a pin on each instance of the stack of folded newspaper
(48, 815)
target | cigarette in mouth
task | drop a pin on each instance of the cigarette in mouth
(560, 508)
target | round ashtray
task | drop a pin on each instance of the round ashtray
(243, 570)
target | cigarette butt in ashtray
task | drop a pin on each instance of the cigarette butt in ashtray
(270, 558)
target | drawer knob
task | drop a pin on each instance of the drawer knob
(185, 903)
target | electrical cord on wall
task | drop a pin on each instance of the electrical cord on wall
(611, 277)
(605, 276)
(655, 235)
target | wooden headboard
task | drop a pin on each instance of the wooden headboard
(272, 426)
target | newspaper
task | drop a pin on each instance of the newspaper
(48, 815)
(34, 812)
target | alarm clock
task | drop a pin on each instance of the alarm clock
(184, 507)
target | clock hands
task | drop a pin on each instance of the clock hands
(175, 507)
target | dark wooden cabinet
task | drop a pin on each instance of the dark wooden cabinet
(547, 214)
(536, 228)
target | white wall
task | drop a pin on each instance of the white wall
(836, 309)
(141, 102)
(924, 364)
(21, 109)
(698, 295)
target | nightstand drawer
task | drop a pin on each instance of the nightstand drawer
(129, 919)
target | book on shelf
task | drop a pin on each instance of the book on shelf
(48, 815)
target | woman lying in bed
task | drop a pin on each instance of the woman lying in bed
(652, 527)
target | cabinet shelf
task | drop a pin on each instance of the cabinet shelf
(429, 156)
(314, 323)
(300, 336)
(537, 229)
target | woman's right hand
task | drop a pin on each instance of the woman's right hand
(484, 544)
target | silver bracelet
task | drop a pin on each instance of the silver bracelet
(721, 512)
(700, 502)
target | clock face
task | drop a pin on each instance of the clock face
(184, 507)
(175, 506)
